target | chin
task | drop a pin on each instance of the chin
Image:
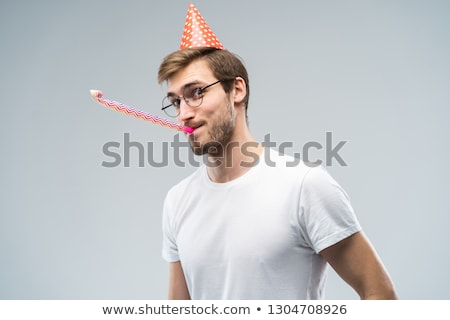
(196, 146)
(211, 147)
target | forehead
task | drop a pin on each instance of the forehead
(197, 71)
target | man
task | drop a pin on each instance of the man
(246, 225)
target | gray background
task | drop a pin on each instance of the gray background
(375, 73)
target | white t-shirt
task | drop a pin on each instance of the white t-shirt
(258, 236)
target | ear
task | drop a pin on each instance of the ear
(240, 90)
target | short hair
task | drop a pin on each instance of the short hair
(223, 64)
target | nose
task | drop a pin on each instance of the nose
(186, 112)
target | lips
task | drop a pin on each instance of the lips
(194, 126)
(196, 130)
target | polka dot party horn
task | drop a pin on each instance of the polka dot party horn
(130, 111)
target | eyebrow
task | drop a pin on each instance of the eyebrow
(192, 83)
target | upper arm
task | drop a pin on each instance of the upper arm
(357, 263)
(177, 283)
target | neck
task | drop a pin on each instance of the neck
(236, 158)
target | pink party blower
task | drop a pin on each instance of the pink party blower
(130, 111)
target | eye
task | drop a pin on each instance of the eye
(197, 93)
(175, 101)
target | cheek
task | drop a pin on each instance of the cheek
(216, 108)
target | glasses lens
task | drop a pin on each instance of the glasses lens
(193, 96)
(169, 106)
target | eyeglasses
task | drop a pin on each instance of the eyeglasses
(192, 95)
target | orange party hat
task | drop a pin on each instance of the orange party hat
(197, 33)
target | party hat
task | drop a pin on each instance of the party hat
(197, 33)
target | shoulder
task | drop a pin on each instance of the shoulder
(185, 184)
(290, 171)
(314, 181)
(318, 184)
(284, 165)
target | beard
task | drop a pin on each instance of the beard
(219, 134)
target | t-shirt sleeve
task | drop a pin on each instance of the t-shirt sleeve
(326, 215)
(169, 245)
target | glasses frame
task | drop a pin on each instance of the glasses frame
(188, 100)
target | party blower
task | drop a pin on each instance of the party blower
(130, 111)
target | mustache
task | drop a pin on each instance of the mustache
(194, 125)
